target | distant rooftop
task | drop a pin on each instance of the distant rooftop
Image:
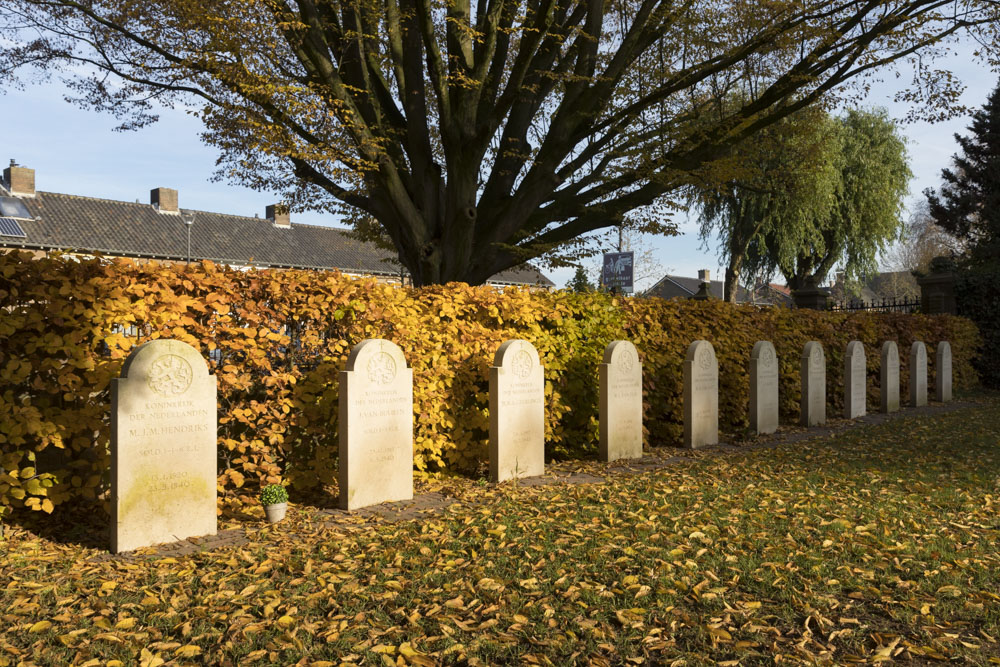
(163, 231)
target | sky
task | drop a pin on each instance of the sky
(76, 151)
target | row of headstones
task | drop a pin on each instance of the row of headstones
(764, 381)
(164, 423)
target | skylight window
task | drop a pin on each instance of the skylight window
(12, 207)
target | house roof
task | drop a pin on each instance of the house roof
(75, 223)
(672, 286)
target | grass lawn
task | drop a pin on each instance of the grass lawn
(877, 544)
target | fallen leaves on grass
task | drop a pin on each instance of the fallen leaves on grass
(876, 545)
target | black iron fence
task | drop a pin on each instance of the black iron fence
(903, 305)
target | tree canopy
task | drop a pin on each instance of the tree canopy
(817, 191)
(476, 136)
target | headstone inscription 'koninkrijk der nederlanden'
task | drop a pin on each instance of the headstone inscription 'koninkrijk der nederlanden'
(621, 402)
(918, 374)
(889, 377)
(164, 457)
(517, 412)
(813, 372)
(376, 426)
(855, 381)
(701, 395)
(942, 372)
(763, 388)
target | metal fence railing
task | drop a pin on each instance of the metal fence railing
(894, 305)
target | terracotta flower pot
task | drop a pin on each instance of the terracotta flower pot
(276, 512)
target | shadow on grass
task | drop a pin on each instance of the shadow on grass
(84, 525)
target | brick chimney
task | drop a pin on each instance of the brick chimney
(164, 200)
(703, 276)
(20, 181)
(279, 215)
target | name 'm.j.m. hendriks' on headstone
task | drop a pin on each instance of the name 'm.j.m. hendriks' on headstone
(376, 426)
(163, 447)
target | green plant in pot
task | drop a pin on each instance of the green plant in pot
(274, 498)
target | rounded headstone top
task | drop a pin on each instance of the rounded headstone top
(169, 366)
(918, 349)
(943, 347)
(764, 353)
(622, 355)
(856, 350)
(519, 356)
(379, 359)
(702, 355)
(813, 351)
(889, 349)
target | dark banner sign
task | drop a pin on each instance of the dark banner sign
(617, 271)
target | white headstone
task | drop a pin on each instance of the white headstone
(763, 388)
(942, 372)
(813, 372)
(517, 412)
(889, 377)
(701, 395)
(918, 375)
(855, 381)
(164, 459)
(376, 426)
(621, 402)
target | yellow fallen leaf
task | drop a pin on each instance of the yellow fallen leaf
(149, 659)
(953, 591)
(286, 621)
(40, 626)
(188, 651)
(407, 651)
(125, 624)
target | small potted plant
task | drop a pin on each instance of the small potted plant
(274, 498)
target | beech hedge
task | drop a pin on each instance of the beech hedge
(277, 339)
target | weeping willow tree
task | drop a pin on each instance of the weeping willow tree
(812, 193)
(783, 182)
(475, 136)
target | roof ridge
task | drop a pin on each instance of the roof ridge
(342, 230)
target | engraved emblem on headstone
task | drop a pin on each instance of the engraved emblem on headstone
(767, 356)
(705, 357)
(170, 375)
(626, 360)
(521, 366)
(381, 368)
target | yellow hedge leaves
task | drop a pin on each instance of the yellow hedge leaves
(276, 341)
